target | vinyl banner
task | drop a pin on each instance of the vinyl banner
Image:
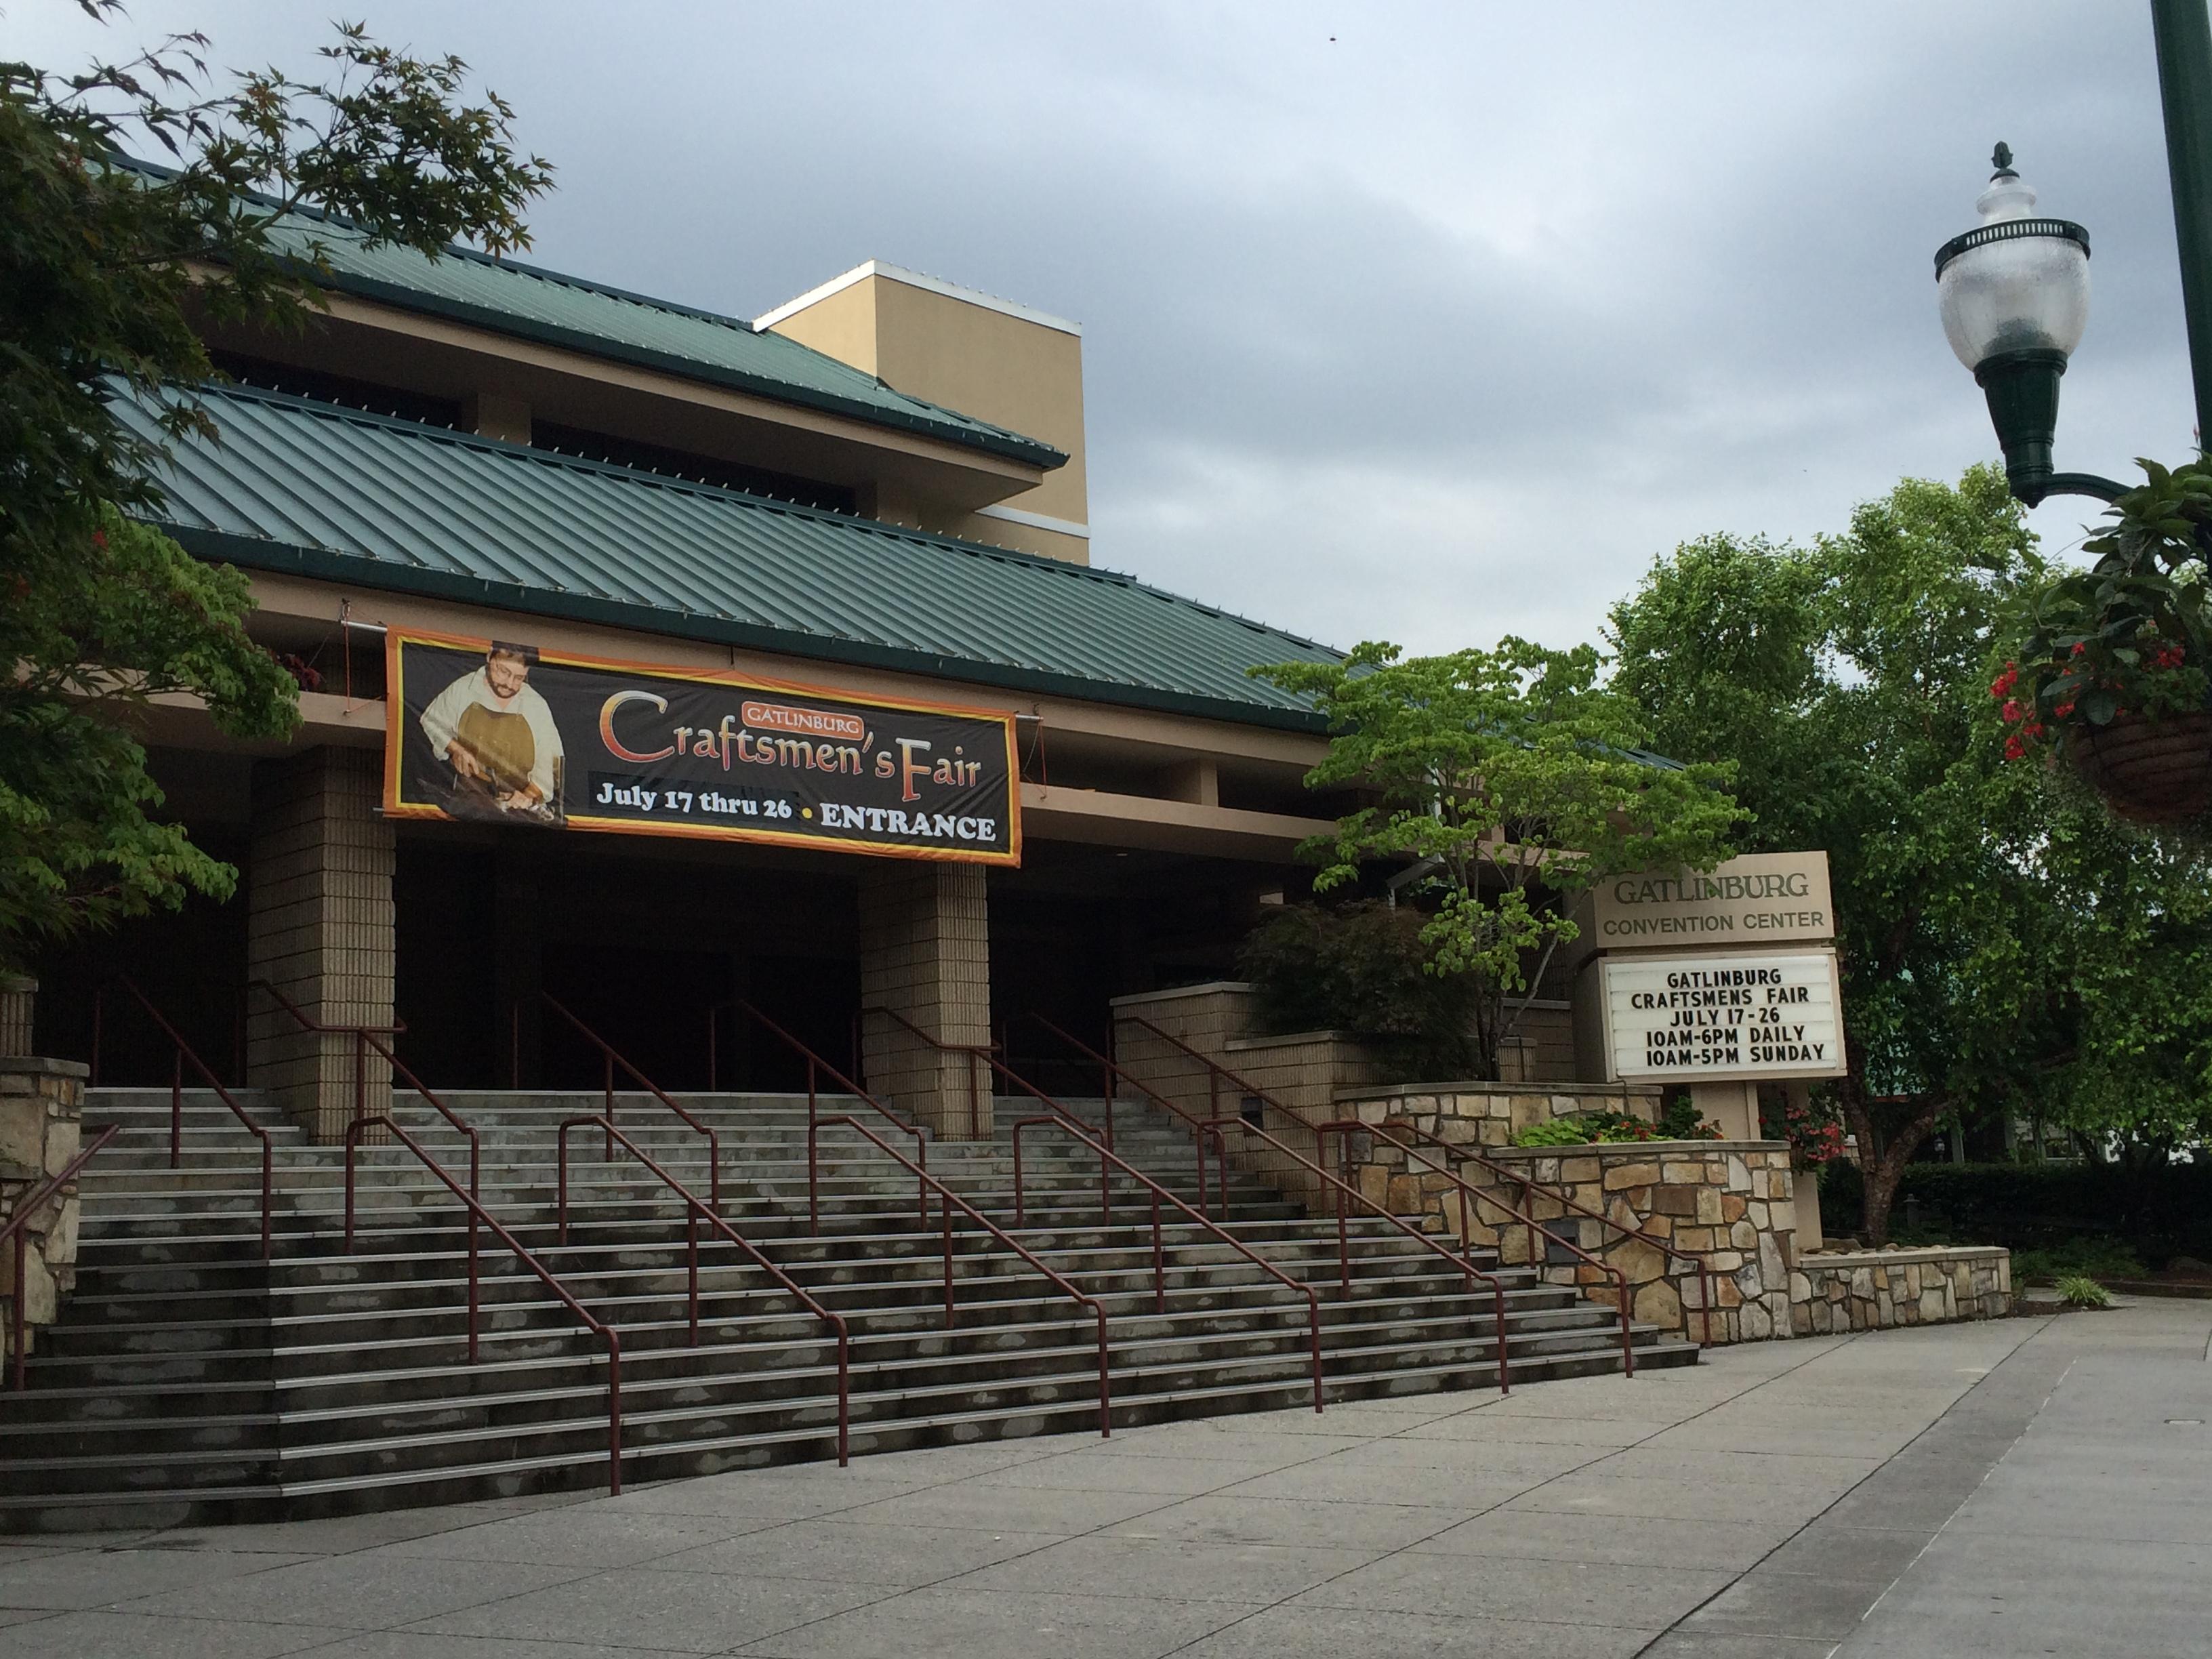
(500, 731)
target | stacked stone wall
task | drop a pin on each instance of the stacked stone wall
(1877, 1290)
(41, 1113)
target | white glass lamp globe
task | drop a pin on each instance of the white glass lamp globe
(2016, 281)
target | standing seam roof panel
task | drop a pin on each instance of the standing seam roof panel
(292, 473)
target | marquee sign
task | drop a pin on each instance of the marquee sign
(497, 732)
(1719, 1018)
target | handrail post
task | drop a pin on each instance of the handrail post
(814, 1162)
(614, 1413)
(691, 1265)
(561, 1186)
(15, 1307)
(608, 1062)
(176, 1108)
(1159, 1261)
(1021, 1214)
(360, 1076)
(352, 1142)
(476, 1296)
(975, 1105)
(944, 1208)
(1343, 1228)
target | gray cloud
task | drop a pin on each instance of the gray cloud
(1436, 331)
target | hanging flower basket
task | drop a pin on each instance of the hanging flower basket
(2148, 771)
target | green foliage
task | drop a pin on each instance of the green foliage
(1848, 686)
(2077, 1292)
(1361, 968)
(105, 265)
(1605, 1127)
(2155, 1211)
(1511, 774)
(2132, 633)
(2091, 1256)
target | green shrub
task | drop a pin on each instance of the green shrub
(2155, 1213)
(2077, 1292)
(1361, 968)
(1606, 1127)
(2090, 1257)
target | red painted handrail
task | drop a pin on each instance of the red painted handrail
(1060, 1119)
(1528, 1184)
(972, 1050)
(694, 1208)
(816, 1068)
(477, 1214)
(1344, 1128)
(18, 1224)
(184, 1052)
(368, 1038)
(610, 1059)
(947, 1197)
(1217, 1128)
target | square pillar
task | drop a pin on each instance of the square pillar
(318, 928)
(926, 954)
(1733, 1106)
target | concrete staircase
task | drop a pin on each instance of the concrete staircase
(189, 1381)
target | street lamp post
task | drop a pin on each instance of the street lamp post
(2015, 290)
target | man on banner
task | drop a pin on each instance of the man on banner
(498, 735)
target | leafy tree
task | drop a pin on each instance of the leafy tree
(1513, 776)
(1361, 968)
(107, 266)
(1987, 922)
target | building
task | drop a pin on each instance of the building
(873, 497)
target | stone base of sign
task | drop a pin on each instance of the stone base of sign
(1731, 1203)
(1879, 1289)
(41, 1112)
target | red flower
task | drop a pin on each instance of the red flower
(99, 539)
(2062, 710)
(2079, 648)
(2012, 710)
(2014, 749)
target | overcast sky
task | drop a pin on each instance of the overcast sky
(1419, 323)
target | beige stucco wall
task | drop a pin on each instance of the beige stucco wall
(970, 356)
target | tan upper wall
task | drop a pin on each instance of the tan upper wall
(986, 357)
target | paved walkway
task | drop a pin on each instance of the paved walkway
(1754, 1506)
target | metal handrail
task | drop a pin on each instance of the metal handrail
(972, 1050)
(694, 1208)
(1530, 1185)
(816, 1064)
(1216, 1128)
(367, 1038)
(1061, 1119)
(1344, 1128)
(477, 1214)
(947, 1197)
(610, 1059)
(19, 1221)
(184, 1051)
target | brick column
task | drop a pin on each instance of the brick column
(319, 929)
(925, 951)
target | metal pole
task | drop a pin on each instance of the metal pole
(2184, 37)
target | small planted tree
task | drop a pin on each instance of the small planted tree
(1515, 780)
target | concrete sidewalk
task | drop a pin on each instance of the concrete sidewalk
(1756, 1504)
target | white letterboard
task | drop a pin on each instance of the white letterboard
(1723, 1016)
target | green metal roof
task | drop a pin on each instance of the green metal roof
(509, 297)
(310, 488)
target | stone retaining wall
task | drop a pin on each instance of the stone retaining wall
(41, 1112)
(1877, 1290)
